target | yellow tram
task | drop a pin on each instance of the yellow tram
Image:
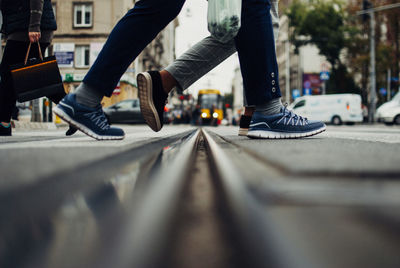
(211, 106)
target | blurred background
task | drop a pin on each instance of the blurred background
(324, 47)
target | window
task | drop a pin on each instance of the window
(83, 15)
(300, 104)
(82, 55)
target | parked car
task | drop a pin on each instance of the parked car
(124, 112)
(389, 112)
(331, 108)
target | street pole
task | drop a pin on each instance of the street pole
(372, 69)
(389, 84)
(371, 13)
(324, 88)
(287, 82)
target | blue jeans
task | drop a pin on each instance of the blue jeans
(254, 43)
(127, 40)
(256, 49)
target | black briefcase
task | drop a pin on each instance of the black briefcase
(36, 78)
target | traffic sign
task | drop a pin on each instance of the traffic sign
(307, 91)
(295, 93)
(324, 76)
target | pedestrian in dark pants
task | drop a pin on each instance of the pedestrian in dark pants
(24, 22)
(254, 43)
(196, 116)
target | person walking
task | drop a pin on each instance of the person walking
(202, 58)
(256, 49)
(255, 46)
(24, 22)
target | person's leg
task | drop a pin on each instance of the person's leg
(256, 49)
(188, 68)
(198, 61)
(128, 38)
(14, 52)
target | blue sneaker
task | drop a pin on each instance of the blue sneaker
(90, 121)
(285, 125)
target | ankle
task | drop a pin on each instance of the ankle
(271, 107)
(249, 110)
(168, 81)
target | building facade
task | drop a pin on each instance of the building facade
(298, 73)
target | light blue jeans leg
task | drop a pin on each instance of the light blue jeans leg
(207, 54)
(199, 60)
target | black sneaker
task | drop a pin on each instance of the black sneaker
(5, 131)
(244, 125)
(91, 121)
(152, 98)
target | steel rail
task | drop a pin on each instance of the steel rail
(41, 202)
(243, 209)
(276, 228)
(148, 230)
(258, 241)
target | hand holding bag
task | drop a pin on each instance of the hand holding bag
(224, 18)
(36, 78)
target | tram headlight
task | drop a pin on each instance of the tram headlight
(204, 115)
(215, 115)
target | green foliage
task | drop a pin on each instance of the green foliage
(342, 82)
(322, 23)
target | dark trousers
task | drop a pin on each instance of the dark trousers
(128, 38)
(256, 49)
(255, 45)
(14, 53)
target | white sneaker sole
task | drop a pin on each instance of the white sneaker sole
(83, 128)
(263, 134)
(149, 111)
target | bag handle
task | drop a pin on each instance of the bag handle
(29, 49)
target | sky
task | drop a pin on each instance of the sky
(192, 29)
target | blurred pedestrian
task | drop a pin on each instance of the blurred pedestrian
(364, 113)
(196, 115)
(24, 22)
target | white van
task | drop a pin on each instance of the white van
(389, 112)
(333, 108)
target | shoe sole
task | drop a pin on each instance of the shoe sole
(149, 111)
(243, 131)
(64, 116)
(263, 134)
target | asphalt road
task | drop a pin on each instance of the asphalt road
(334, 194)
(30, 155)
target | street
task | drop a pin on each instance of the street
(208, 198)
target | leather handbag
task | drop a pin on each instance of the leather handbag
(36, 78)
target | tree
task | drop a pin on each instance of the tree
(321, 23)
(387, 45)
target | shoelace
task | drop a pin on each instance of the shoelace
(293, 118)
(99, 119)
